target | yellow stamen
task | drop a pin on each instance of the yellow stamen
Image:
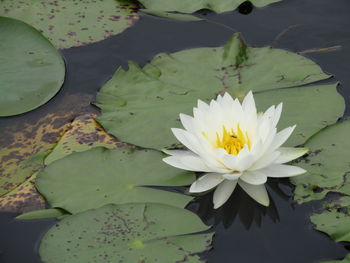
(232, 141)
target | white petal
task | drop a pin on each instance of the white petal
(223, 192)
(288, 154)
(266, 160)
(277, 116)
(228, 160)
(175, 162)
(206, 182)
(219, 99)
(268, 115)
(232, 176)
(248, 103)
(201, 105)
(244, 159)
(187, 139)
(254, 177)
(282, 170)
(264, 130)
(195, 163)
(227, 100)
(250, 114)
(257, 192)
(177, 152)
(189, 163)
(281, 137)
(187, 122)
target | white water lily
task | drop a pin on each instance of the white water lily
(232, 144)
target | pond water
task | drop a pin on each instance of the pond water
(245, 231)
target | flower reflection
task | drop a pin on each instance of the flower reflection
(240, 206)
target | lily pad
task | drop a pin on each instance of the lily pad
(185, 6)
(335, 222)
(83, 135)
(31, 69)
(52, 138)
(327, 164)
(91, 179)
(150, 99)
(127, 233)
(307, 107)
(23, 198)
(70, 23)
(42, 214)
(24, 149)
(335, 219)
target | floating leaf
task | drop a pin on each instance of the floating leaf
(31, 69)
(335, 222)
(327, 164)
(42, 214)
(100, 176)
(307, 107)
(69, 23)
(184, 6)
(23, 152)
(150, 99)
(52, 138)
(177, 16)
(83, 135)
(127, 233)
(22, 198)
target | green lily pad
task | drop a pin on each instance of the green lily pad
(100, 176)
(42, 214)
(311, 108)
(335, 219)
(177, 16)
(150, 99)
(184, 6)
(327, 165)
(70, 23)
(127, 233)
(335, 222)
(31, 69)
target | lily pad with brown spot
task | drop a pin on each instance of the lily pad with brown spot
(23, 198)
(80, 135)
(85, 133)
(142, 232)
(70, 23)
(26, 142)
(23, 151)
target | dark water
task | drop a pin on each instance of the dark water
(245, 231)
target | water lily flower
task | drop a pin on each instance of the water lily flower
(232, 144)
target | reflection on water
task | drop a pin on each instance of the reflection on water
(248, 232)
(239, 207)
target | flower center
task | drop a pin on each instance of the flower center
(232, 141)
